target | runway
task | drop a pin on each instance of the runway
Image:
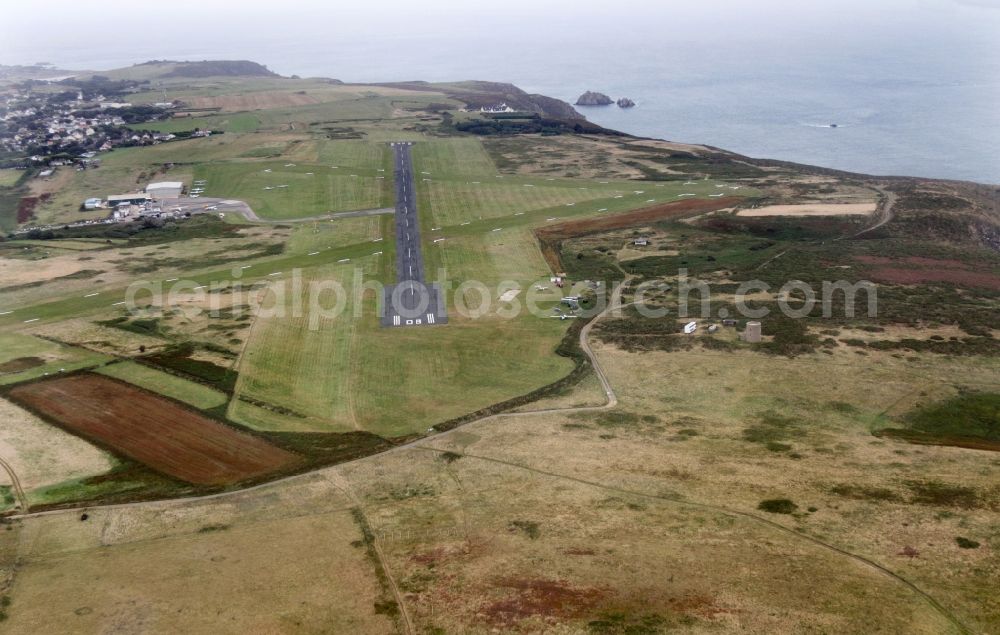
(409, 302)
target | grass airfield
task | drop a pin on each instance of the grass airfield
(644, 518)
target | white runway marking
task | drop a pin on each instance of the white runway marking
(344, 260)
(246, 266)
(377, 253)
(496, 230)
(376, 240)
(31, 320)
(118, 303)
(395, 320)
(519, 214)
(201, 287)
(603, 209)
(430, 318)
(6, 312)
(276, 273)
(90, 295)
(434, 229)
(549, 219)
(437, 240)
(171, 280)
(312, 253)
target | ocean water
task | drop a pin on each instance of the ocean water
(914, 87)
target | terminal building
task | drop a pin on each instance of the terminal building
(165, 189)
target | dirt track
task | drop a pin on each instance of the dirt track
(152, 430)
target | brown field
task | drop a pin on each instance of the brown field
(813, 209)
(152, 430)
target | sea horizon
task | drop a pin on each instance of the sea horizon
(810, 90)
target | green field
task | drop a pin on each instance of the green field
(172, 386)
(309, 190)
(235, 122)
(341, 232)
(52, 358)
(400, 381)
(9, 178)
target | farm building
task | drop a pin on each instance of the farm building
(165, 189)
(92, 203)
(133, 199)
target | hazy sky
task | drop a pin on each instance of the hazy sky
(96, 33)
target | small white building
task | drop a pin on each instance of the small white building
(165, 189)
(503, 107)
(92, 203)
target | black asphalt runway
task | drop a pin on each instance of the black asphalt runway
(409, 302)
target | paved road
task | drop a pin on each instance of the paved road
(410, 302)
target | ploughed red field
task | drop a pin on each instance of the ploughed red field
(162, 434)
